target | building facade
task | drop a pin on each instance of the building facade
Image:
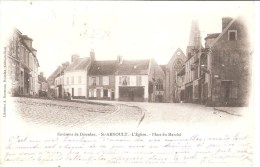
(228, 69)
(75, 77)
(22, 65)
(131, 80)
(101, 80)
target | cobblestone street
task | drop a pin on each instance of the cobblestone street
(82, 114)
(74, 114)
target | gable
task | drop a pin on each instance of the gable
(178, 55)
(236, 29)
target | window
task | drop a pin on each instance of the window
(94, 81)
(72, 80)
(124, 80)
(79, 91)
(105, 93)
(232, 35)
(106, 80)
(138, 80)
(79, 80)
(159, 85)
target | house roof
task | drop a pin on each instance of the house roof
(134, 67)
(214, 35)
(103, 68)
(79, 64)
(223, 32)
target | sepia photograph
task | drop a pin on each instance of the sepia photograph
(129, 83)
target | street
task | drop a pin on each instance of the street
(113, 114)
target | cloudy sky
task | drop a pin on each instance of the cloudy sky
(134, 29)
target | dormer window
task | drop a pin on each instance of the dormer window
(232, 35)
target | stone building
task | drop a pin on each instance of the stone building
(227, 66)
(171, 70)
(22, 65)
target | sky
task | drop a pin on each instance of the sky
(132, 29)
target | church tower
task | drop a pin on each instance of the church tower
(195, 38)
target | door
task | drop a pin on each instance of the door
(226, 91)
(60, 91)
(72, 92)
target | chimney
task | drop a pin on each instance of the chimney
(34, 51)
(74, 57)
(92, 55)
(225, 22)
(120, 59)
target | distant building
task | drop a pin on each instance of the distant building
(75, 76)
(43, 85)
(192, 64)
(139, 80)
(225, 65)
(56, 81)
(22, 65)
(171, 70)
(101, 80)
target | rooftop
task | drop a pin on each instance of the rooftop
(103, 67)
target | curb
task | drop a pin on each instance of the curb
(225, 111)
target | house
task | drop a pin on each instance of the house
(139, 80)
(54, 79)
(75, 76)
(101, 80)
(171, 70)
(22, 65)
(59, 81)
(226, 64)
(193, 52)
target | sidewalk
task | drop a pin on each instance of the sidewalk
(238, 111)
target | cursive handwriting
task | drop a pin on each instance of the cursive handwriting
(132, 150)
